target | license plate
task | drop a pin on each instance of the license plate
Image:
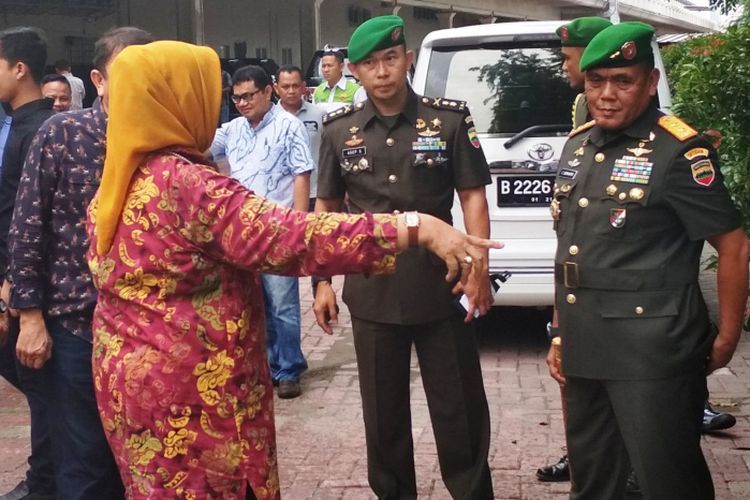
(524, 190)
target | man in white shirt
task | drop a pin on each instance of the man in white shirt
(62, 67)
(290, 87)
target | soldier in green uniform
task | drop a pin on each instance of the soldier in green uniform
(636, 196)
(574, 36)
(400, 152)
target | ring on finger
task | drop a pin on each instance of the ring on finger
(468, 260)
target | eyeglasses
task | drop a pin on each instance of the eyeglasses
(247, 97)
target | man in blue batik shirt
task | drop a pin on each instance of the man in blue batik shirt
(267, 150)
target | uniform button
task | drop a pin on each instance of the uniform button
(622, 196)
(573, 249)
(392, 179)
(430, 161)
(611, 189)
(583, 202)
(639, 310)
(396, 212)
(571, 298)
(599, 157)
(390, 142)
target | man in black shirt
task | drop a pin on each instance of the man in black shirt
(23, 55)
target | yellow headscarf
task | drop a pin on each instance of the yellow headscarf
(161, 95)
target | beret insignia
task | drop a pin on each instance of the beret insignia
(629, 50)
(564, 35)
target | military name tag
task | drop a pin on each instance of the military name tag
(566, 173)
(354, 152)
(632, 169)
(617, 217)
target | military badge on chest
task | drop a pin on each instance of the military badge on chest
(353, 155)
(429, 149)
(634, 168)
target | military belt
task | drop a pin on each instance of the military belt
(572, 275)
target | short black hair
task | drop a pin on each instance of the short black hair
(27, 45)
(252, 73)
(117, 39)
(62, 65)
(289, 68)
(53, 77)
(335, 53)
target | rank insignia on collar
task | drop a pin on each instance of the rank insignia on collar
(579, 151)
(575, 162)
(617, 217)
(703, 172)
(354, 141)
(353, 130)
(640, 151)
(420, 123)
(696, 152)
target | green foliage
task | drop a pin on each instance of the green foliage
(710, 80)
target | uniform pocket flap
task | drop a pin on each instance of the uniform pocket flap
(640, 305)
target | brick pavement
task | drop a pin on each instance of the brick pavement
(320, 436)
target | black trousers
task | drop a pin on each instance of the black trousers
(653, 424)
(40, 475)
(452, 379)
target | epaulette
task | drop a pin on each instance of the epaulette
(678, 128)
(342, 111)
(443, 103)
(583, 127)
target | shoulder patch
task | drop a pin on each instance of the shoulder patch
(676, 127)
(583, 127)
(342, 111)
(443, 103)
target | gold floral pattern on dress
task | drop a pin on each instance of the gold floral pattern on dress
(180, 368)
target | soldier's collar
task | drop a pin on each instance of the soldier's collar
(641, 128)
(409, 112)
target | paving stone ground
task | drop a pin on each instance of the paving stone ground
(320, 435)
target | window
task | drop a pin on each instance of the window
(508, 87)
(422, 14)
(286, 55)
(358, 15)
(261, 52)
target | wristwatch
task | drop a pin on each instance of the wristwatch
(412, 226)
(552, 331)
(3, 307)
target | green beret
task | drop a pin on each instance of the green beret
(374, 34)
(579, 32)
(623, 44)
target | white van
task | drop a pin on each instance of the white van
(511, 76)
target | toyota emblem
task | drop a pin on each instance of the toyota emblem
(541, 151)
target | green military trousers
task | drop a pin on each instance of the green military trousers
(652, 424)
(452, 380)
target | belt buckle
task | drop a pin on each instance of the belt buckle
(570, 275)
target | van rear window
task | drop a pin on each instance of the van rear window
(509, 87)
